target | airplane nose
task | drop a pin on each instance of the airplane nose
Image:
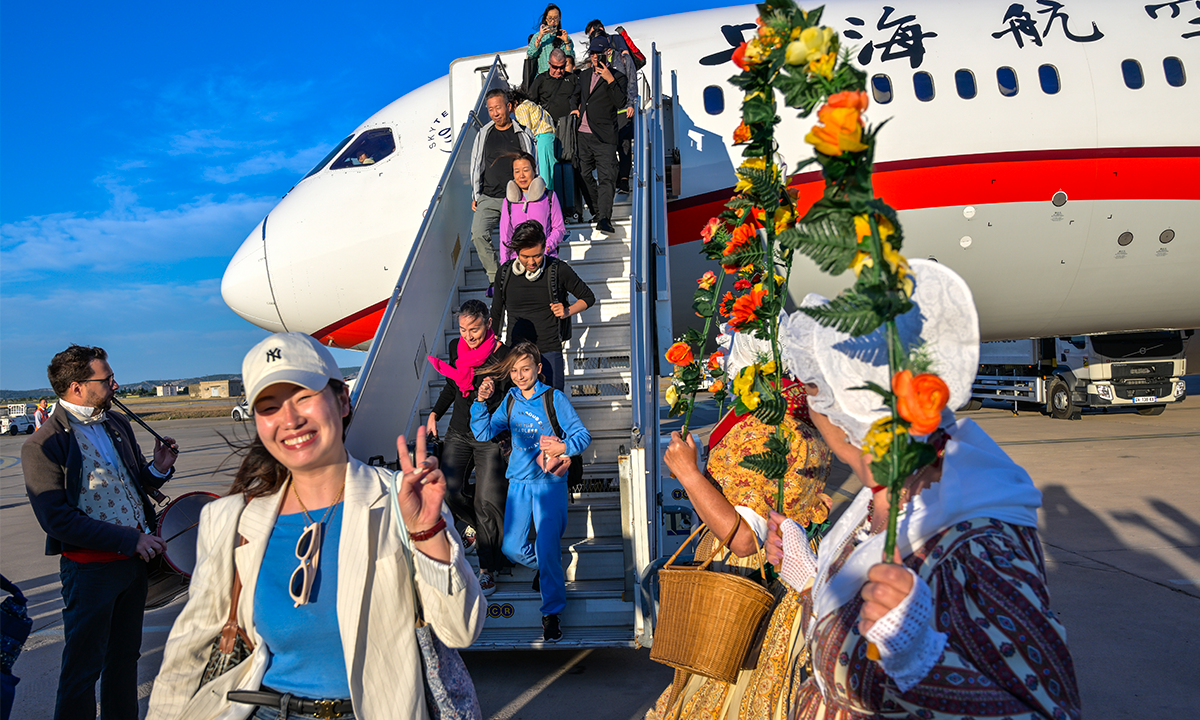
(246, 286)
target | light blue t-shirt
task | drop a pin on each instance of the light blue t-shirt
(307, 658)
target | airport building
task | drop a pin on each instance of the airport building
(166, 390)
(216, 389)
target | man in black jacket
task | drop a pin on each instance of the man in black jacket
(533, 289)
(86, 480)
(553, 89)
(599, 94)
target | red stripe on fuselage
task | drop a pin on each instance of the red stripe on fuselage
(993, 178)
(354, 330)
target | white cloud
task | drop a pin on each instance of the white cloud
(127, 235)
(265, 163)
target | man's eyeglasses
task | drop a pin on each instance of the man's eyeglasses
(308, 552)
(106, 380)
(558, 67)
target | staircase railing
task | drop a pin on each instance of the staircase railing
(386, 398)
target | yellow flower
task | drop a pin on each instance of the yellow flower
(862, 227)
(784, 219)
(861, 260)
(878, 441)
(809, 45)
(672, 396)
(823, 65)
(768, 369)
(841, 131)
(744, 184)
(744, 380)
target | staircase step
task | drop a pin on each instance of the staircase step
(590, 603)
(582, 559)
(497, 637)
(579, 247)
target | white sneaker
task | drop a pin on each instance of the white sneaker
(469, 540)
(487, 583)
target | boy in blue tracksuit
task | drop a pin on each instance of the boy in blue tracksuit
(537, 470)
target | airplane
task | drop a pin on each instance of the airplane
(1042, 150)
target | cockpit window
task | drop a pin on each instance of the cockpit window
(325, 161)
(368, 149)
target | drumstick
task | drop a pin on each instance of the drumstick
(189, 527)
(141, 422)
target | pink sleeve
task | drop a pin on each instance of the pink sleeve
(558, 230)
(505, 232)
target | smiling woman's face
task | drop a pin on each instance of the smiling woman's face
(302, 428)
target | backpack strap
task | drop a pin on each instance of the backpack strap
(508, 403)
(548, 404)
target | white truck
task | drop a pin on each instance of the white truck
(1143, 370)
(18, 420)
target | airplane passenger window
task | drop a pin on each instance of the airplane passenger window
(1132, 70)
(923, 86)
(1173, 67)
(321, 165)
(714, 100)
(1048, 76)
(1006, 78)
(881, 88)
(964, 80)
(370, 147)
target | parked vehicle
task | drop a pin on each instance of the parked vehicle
(241, 411)
(15, 424)
(1065, 374)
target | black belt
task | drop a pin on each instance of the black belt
(305, 706)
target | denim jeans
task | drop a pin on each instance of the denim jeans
(102, 625)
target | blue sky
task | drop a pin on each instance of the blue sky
(140, 143)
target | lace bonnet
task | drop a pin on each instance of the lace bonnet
(944, 321)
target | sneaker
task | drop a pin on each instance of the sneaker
(491, 291)
(487, 583)
(551, 632)
(605, 226)
(537, 581)
(468, 539)
(623, 187)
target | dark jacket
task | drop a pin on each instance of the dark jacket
(602, 105)
(54, 474)
(554, 94)
(528, 304)
(460, 419)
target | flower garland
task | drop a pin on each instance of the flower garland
(795, 59)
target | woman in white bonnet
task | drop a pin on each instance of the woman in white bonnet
(963, 626)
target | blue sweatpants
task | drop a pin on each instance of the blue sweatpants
(544, 146)
(543, 504)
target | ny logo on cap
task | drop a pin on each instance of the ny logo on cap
(274, 354)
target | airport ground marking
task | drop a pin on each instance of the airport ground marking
(511, 709)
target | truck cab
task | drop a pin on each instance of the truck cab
(1142, 369)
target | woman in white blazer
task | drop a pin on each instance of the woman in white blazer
(326, 597)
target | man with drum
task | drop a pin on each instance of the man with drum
(86, 480)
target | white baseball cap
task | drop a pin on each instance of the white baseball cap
(294, 358)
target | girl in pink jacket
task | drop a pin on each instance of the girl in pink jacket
(528, 199)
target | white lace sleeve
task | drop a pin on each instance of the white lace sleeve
(799, 565)
(755, 521)
(908, 644)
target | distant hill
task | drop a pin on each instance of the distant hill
(7, 395)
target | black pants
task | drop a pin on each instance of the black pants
(601, 158)
(102, 626)
(484, 508)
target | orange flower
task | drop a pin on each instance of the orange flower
(742, 236)
(680, 354)
(920, 400)
(711, 228)
(739, 56)
(714, 360)
(742, 284)
(842, 130)
(716, 386)
(707, 280)
(745, 307)
(854, 99)
(741, 134)
(727, 303)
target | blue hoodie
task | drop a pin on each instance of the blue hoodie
(528, 423)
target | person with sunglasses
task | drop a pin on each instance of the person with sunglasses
(88, 485)
(326, 591)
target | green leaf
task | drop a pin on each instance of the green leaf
(692, 337)
(829, 241)
(757, 110)
(849, 312)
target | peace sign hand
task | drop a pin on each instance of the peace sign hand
(422, 487)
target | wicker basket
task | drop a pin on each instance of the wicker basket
(706, 618)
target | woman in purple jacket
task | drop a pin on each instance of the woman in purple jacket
(528, 199)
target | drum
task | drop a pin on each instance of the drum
(179, 527)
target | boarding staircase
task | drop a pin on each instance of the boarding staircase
(610, 541)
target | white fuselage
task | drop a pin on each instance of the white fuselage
(975, 178)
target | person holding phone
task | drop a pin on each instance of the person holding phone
(599, 94)
(550, 35)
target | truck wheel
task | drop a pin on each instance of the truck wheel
(12, 429)
(1060, 405)
(29, 430)
(1152, 410)
(973, 404)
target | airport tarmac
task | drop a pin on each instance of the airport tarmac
(1120, 524)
